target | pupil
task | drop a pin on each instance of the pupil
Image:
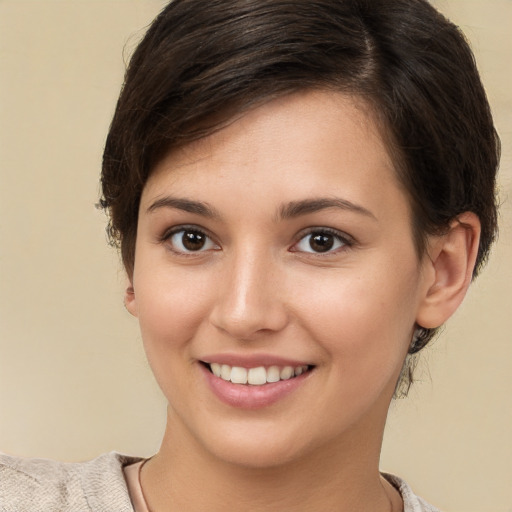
(193, 241)
(321, 242)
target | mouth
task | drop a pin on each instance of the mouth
(256, 376)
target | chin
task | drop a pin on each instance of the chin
(257, 454)
(262, 444)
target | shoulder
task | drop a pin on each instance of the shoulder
(412, 503)
(41, 484)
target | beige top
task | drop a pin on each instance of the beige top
(109, 483)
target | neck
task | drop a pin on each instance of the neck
(340, 476)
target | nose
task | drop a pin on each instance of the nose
(250, 298)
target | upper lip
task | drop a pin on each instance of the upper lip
(252, 360)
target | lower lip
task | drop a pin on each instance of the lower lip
(246, 396)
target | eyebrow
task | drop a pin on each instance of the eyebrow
(290, 210)
(187, 205)
(298, 208)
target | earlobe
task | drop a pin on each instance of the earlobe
(452, 260)
(129, 300)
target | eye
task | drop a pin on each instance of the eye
(188, 240)
(321, 240)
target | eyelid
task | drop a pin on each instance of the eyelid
(183, 227)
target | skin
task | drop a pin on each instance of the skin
(258, 287)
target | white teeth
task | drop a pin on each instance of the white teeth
(238, 375)
(286, 373)
(256, 376)
(225, 372)
(215, 369)
(273, 374)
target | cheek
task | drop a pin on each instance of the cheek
(171, 306)
(171, 310)
(364, 319)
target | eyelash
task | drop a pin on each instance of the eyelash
(343, 239)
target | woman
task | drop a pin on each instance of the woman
(302, 193)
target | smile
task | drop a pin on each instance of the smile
(254, 382)
(257, 376)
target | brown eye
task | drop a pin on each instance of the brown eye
(321, 241)
(190, 240)
(193, 240)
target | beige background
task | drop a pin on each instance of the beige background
(73, 378)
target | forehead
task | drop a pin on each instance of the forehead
(308, 131)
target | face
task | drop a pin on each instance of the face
(276, 282)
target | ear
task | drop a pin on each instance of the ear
(451, 259)
(129, 299)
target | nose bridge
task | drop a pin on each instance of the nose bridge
(248, 299)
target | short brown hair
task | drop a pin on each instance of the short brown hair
(202, 62)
